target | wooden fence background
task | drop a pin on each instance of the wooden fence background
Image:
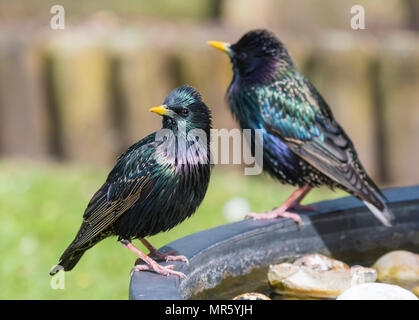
(82, 94)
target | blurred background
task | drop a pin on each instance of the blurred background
(71, 100)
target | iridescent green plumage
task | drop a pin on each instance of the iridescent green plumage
(303, 144)
(152, 187)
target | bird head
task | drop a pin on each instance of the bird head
(256, 56)
(184, 106)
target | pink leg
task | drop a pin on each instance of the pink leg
(150, 263)
(156, 254)
(292, 202)
(297, 206)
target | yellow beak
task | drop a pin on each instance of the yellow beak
(161, 110)
(223, 46)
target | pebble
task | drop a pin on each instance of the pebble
(377, 291)
(252, 296)
(317, 276)
(398, 265)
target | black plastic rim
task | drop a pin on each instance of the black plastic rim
(340, 226)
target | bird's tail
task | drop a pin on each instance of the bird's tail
(383, 214)
(68, 260)
(375, 200)
(76, 249)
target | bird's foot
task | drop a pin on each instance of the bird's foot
(158, 255)
(150, 264)
(164, 271)
(170, 256)
(177, 258)
(274, 214)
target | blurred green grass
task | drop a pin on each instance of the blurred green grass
(41, 206)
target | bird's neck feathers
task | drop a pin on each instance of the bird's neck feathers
(266, 72)
(182, 148)
(244, 94)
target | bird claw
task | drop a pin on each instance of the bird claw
(164, 271)
(262, 216)
(170, 256)
(274, 214)
(177, 258)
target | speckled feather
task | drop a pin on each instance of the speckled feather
(303, 143)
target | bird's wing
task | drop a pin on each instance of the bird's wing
(130, 181)
(293, 110)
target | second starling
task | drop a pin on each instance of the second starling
(303, 144)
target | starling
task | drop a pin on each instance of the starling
(303, 144)
(156, 184)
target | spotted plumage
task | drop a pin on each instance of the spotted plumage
(153, 186)
(303, 143)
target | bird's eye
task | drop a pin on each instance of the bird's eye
(242, 55)
(184, 112)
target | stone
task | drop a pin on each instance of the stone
(320, 262)
(377, 291)
(252, 296)
(399, 267)
(317, 276)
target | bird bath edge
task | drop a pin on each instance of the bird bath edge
(341, 226)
